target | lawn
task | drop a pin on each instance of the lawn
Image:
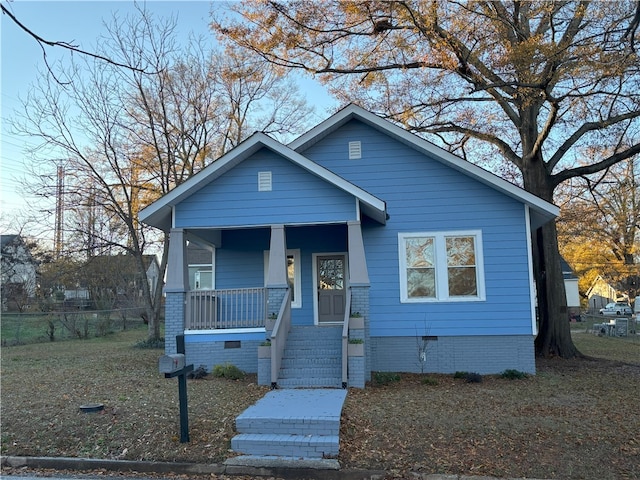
(38, 327)
(575, 419)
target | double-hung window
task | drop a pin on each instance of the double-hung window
(441, 266)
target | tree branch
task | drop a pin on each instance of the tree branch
(560, 177)
(501, 144)
(583, 130)
(66, 45)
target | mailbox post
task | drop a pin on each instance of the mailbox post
(174, 366)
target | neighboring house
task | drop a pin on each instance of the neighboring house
(356, 215)
(18, 272)
(571, 291)
(600, 293)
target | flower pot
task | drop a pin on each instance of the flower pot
(356, 350)
(264, 351)
(356, 322)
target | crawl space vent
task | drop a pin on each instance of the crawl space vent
(264, 182)
(355, 150)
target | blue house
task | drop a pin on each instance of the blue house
(358, 247)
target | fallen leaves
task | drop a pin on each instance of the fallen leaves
(575, 419)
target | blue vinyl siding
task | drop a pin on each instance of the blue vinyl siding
(240, 259)
(297, 197)
(423, 195)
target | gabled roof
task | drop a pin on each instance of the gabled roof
(601, 284)
(541, 210)
(16, 241)
(567, 271)
(123, 263)
(7, 239)
(159, 213)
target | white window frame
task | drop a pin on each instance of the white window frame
(206, 267)
(297, 276)
(441, 268)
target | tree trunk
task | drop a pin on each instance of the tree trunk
(151, 300)
(154, 331)
(554, 332)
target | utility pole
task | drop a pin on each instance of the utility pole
(58, 240)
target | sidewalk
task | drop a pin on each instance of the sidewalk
(294, 470)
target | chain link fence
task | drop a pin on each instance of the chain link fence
(22, 328)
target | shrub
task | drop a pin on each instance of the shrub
(356, 341)
(198, 373)
(385, 378)
(473, 378)
(228, 371)
(512, 374)
(460, 374)
(430, 381)
(150, 344)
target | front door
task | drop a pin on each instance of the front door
(330, 282)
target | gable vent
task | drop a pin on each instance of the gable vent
(355, 150)
(264, 182)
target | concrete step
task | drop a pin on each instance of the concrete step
(315, 332)
(308, 372)
(303, 446)
(313, 341)
(309, 382)
(313, 338)
(302, 362)
(312, 358)
(312, 353)
(303, 425)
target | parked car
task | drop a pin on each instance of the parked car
(616, 309)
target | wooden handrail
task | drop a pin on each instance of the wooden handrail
(345, 340)
(279, 337)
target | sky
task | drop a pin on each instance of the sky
(80, 22)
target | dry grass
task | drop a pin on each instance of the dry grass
(576, 419)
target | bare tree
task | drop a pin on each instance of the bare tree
(534, 84)
(246, 82)
(130, 137)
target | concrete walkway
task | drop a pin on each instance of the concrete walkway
(312, 403)
(291, 424)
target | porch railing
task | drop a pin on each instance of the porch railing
(345, 341)
(279, 337)
(230, 308)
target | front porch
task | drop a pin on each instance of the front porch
(288, 356)
(234, 325)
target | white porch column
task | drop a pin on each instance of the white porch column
(177, 269)
(277, 274)
(358, 273)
